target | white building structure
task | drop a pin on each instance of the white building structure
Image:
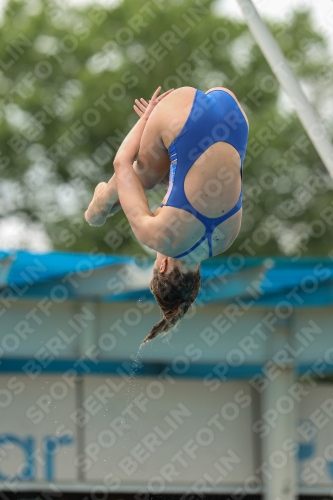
(236, 400)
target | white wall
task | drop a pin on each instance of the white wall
(149, 433)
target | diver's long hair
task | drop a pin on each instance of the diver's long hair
(174, 292)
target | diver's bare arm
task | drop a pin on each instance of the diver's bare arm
(130, 145)
(106, 194)
(134, 202)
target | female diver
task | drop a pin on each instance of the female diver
(204, 136)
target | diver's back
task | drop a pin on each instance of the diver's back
(206, 151)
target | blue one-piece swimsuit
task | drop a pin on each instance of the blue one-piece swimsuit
(214, 117)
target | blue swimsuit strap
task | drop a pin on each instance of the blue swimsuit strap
(192, 248)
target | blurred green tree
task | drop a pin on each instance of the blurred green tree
(69, 78)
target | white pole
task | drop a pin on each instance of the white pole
(275, 58)
(279, 411)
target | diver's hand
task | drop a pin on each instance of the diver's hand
(143, 107)
(101, 206)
